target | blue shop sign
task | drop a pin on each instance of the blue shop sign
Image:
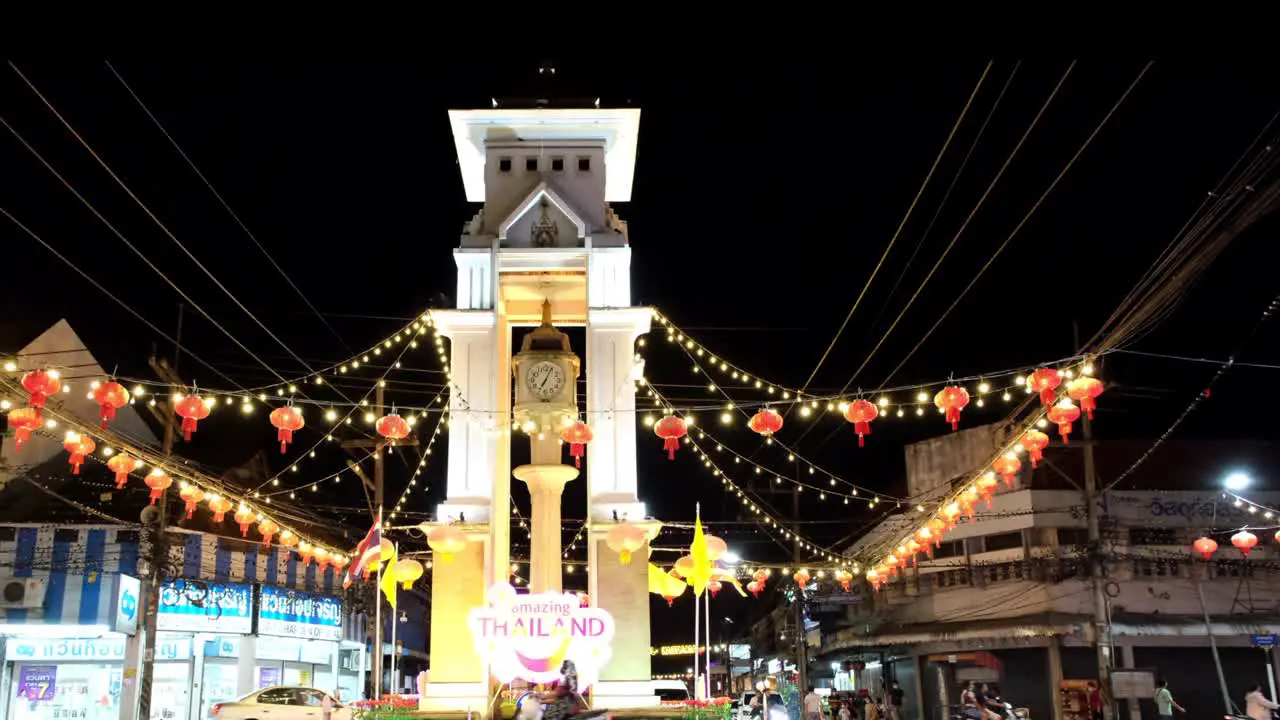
(291, 613)
(89, 649)
(190, 606)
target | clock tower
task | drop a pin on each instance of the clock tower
(546, 378)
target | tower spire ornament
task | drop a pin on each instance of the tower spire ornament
(545, 231)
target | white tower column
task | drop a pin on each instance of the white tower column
(546, 486)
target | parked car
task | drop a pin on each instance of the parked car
(670, 691)
(777, 708)
(281, 703)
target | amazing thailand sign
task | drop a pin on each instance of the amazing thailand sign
(529, 636)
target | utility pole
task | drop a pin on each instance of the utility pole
(377, 486)
(154, 547)
(1097, 569)
(802, 643)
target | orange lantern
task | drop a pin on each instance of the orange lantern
(844, 577)
(41, 384)
(122, 464)
(79, 446)
(951, 400)
(875, 577)
(111, 396)
(577, 436)
(987, 485)
(159, 481)
(861, 413)
(1244, 541)
(219, 506)
(754, 588)
(267, 528)
(407, 571)
(966, 503)
(338, 562)
(801, 577)
(447, 541)
(766, 422)
(925, 536)
(671, 429)
(1062, 415)
(322, 558)
(891, 563)
(244, 517)
(938, 527)
(1085, 390)
(625, 539)
(913, 549)
(673, 587)
(716, 547)
(760, 577)
(1034, 442)
(287, 421)
(289, 538)
(1008, 466)
(192, 409)
(714, 586)
(191, 497)
(1045, 381)
(305, 551)
(392, 427)
(1206, 546)
(24, 421)
(951, 513)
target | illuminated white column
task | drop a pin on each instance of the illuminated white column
(612, 372)
(546, 486)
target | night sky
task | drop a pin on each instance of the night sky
(765, 194)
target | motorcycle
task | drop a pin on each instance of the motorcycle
(530, 706)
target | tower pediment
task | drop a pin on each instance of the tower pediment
(543, 219)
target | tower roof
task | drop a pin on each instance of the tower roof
(618, 128)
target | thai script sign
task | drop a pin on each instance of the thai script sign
(298, 614)
(189, 606)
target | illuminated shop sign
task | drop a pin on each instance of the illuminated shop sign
(188, 606)
(291, 613)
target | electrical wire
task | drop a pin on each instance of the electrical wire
(225, 205)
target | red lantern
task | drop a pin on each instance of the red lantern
(159, 481)
(876, 578)
(1008, 466)
(1085, 390)
(925, 536)
(951, 513)
(191, 496)
(306, 551)
(844, 577)
(192, 409)
(891, 563)
(671, 599)
(766, 422)
(1244, 541)
(219, 505)
(79, 446)
(577, 436)
(714, 586)
(1034, 442)
(1207, 547)
(267, 528)
(938, 528)
(24, 421)
(861, 413)
(287, 420)
(913, 549)
(987, 485)
(111, 396)
(951, 400)
(1062, 415)
(754, 588)
(801, 577)
(671, 429)
(392, 427)
(1045, 381)
(761, 577)
(41, 384)
(322, 560)
(244, 518)
(123, 464)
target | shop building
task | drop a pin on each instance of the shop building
(243, 620)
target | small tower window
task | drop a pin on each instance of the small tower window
(504, 164)
(531, 164)
(557, 164)
(584, 164)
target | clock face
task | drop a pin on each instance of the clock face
(545, 380)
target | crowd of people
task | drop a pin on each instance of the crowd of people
(861, 705)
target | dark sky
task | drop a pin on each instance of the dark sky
(765, 194)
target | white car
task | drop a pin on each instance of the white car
(282, 703)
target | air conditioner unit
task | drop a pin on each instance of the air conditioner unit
(21, 593)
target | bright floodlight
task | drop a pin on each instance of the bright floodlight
(731, 558)
(1237, 481)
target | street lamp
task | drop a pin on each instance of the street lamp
(1237, 481)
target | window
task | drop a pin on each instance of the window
(1153, 536)
(504, 165)
(531, 164)
(127, 536)
(66, 535)
(276, 696)
(557, 164)
(1073, 536)
(953, 548)
(584, 164)
(1003, 541)
(310, 698)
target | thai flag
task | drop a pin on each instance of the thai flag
(368, 551)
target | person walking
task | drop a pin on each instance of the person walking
(1256, 705)
(1095, 700)
(1165, 704)
(813, 705)
(893, 701)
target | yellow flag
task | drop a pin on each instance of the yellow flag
(701, 573)
(389, 579)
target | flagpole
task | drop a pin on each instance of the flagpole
(707, 598)
(377, 624)
(697, 607)
(395, 620)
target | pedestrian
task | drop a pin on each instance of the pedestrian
(845, 713)
(894, 701)
(1164, 701)
(1256, 705)
(813, 705)
(1095, 700)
